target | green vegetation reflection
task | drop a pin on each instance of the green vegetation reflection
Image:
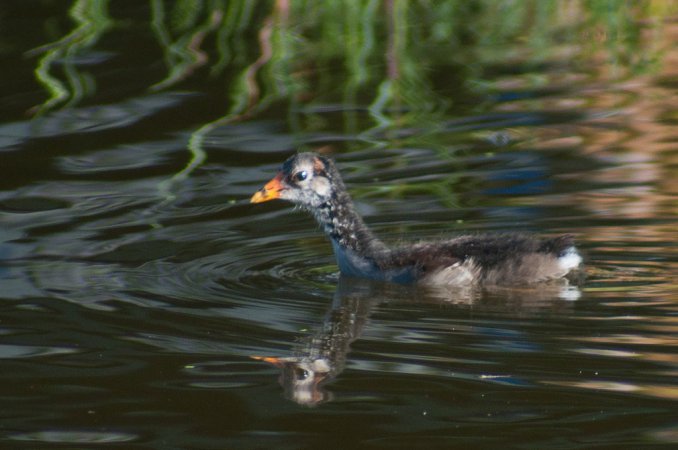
(383, 65)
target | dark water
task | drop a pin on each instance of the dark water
(146, 304)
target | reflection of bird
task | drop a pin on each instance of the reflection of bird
(320, 357)
(302, 378)
(313, 182)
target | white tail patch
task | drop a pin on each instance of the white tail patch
(570, 259)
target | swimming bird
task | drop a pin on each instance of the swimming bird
(313, 182)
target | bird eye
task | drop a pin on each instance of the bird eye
(301, 374)
(300, 176)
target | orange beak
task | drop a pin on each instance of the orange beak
(270, 191)
(278, 362)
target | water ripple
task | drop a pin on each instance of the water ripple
(74, 437)
(28, 351)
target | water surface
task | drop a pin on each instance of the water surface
(146, 304)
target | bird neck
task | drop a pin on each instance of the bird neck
(344, 226)
(358, 252)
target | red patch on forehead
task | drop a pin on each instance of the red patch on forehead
(318, 165)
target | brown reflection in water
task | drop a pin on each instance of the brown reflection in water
(641, 138)
(651, 339)
(321, 357)
(652, 390)
(631, 130)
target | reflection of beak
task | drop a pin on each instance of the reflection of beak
(270, 191)
(278, 362)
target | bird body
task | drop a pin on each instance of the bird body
(313, 182)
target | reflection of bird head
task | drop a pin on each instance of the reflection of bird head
(302, 378)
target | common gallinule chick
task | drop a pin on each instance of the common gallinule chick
(313, 182)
